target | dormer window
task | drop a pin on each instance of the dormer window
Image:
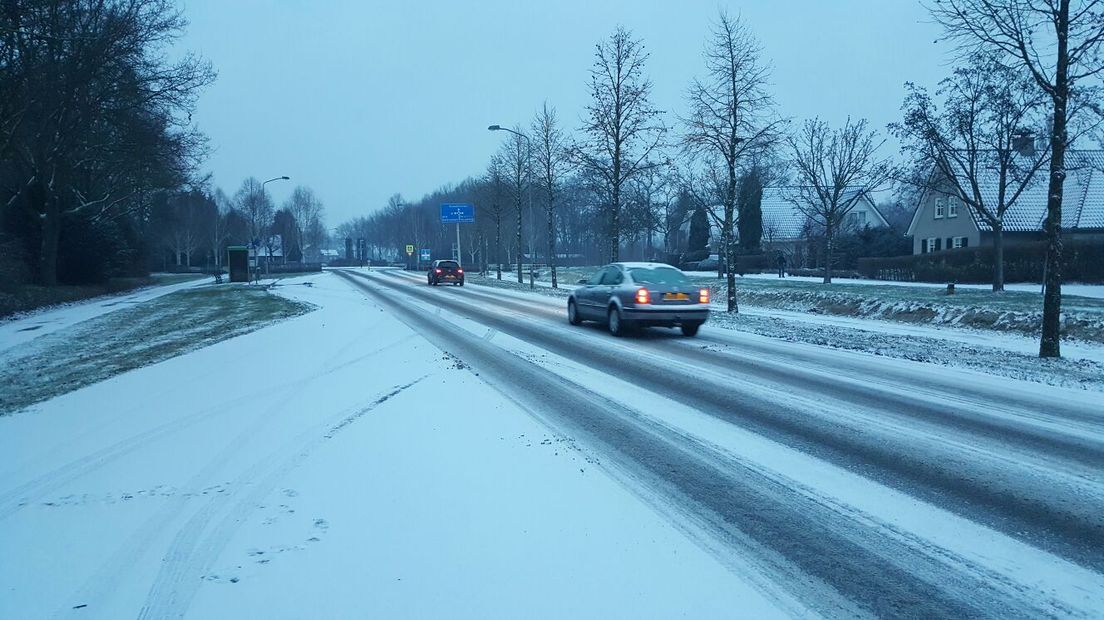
(940, 207)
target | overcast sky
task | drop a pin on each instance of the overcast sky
(362, 99)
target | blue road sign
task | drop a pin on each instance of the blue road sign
(457, 213)
(425, 254)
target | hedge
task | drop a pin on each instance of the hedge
(1082, 261)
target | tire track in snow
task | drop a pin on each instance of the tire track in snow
(138, 544)
(198, 543)
(14, 500)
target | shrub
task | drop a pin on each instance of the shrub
(1082, 261)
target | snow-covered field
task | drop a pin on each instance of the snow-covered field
(333, 465)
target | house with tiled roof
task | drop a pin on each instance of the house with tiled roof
(943, 222)
(787, 228)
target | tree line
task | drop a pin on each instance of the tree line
(99, 157)
(629, 178)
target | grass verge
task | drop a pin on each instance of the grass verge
(15, 299)
(1011, 311)
(130, 338)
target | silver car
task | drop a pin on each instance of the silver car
(627, 295)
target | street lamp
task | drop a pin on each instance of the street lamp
(268, 246)
(529, 149)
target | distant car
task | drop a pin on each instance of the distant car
(445, 271)
(628, 295)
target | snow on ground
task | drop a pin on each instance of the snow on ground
(28, 326)
(333, 465)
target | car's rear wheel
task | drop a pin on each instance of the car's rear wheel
(690, 329)
(573, 313)
(616, 324)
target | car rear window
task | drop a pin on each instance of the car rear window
(657, 275)
(448, 264)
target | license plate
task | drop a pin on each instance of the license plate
(676, 296)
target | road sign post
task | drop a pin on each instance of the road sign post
(409, 253)
(457, 213)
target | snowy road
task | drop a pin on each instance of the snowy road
(950, 494)
(407, 451)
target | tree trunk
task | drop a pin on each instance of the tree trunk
(552, 239)
(520, 253)
(828, 238)
(51, 235)
(998, 258)
(498, 246)
(615, 217)
(1050, 342)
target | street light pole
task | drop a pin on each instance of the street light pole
(267, 246)
(529, 165)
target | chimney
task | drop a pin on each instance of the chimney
(1023, 142)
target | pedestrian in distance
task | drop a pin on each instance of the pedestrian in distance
(781, 264)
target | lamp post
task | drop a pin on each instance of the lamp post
(268, 246)
(529, 165)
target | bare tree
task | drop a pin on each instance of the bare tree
(729, 119)
(254, 203)
(622, 129)
(305, 209)
(984, 133)
(220, 228)
(514, 157)
(834, 168)
(1060, 43)
(551, 156)
(672, 210)
(496, 182)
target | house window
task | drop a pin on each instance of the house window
(929, 245)
(952, 208)
(940, 207)
(958, 242)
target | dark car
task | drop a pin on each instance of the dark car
(445, 272)
(627, 295)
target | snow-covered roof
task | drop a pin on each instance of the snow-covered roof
(784, 220)
(1082, 197)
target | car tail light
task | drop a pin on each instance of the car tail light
(459, 271)
(438, 271)
(703, 296)
(642, 296)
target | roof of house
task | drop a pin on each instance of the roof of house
(781, 212)
(1082, 202)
